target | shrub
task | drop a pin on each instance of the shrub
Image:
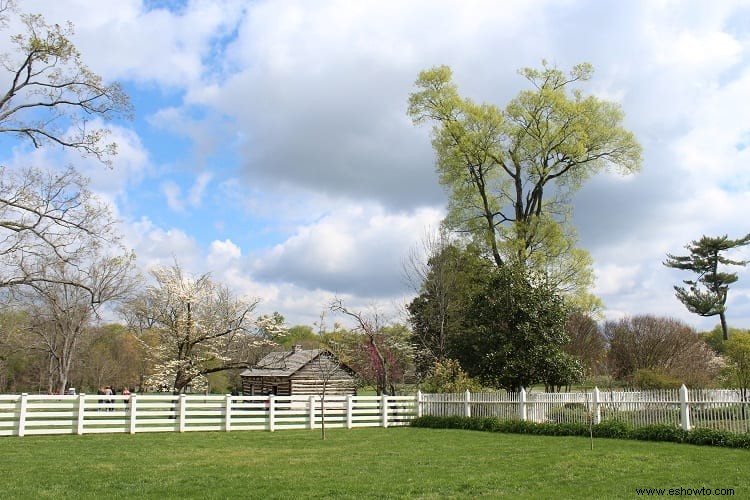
(660, 432)
(650, 379)
(448, 376)
(607, 429)
(713, 437)
(612, 429)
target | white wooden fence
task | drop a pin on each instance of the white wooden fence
(22, 415)
(688, 409)
(25, 414)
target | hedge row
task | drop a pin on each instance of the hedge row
(606, 429)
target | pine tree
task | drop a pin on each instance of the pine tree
(707, 294)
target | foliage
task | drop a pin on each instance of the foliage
(561, 370)
(737, 370)
(202, 327)
(511, 173)
(656, 343)
(447, 376)
(19, 366)
(514, 331)
(299, 335)
(112, 356)
(707, 294)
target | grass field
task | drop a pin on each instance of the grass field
(359, 463)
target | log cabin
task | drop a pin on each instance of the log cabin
(299, 372)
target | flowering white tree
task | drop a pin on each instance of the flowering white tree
(203, 328)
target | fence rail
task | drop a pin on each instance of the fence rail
(711, 408)
(24, 415)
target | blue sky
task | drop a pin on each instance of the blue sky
(271, 146)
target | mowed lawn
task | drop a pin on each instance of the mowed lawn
(358, 463)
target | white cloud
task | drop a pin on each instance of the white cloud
(173, 194)
(155, 246)
(170, 48)
(195, 197)
(353, 250)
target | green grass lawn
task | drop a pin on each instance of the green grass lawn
(358, 463)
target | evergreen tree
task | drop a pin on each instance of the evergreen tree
(707, 294)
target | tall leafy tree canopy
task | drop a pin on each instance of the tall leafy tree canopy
(511, 172)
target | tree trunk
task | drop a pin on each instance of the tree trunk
(724, 328)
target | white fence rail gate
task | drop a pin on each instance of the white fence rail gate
(688, 409)
(25, 414)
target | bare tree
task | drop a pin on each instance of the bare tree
(48, 217)
(203, 328)
(52, 96)
(61, 308)
(369, 326)
(328, 368)
(428, 270)
(586, 342)
(385, 353)
(662, 345)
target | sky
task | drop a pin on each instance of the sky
(271, 146)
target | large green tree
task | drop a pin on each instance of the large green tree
(511, 172)
(706, 295)
(515, 333)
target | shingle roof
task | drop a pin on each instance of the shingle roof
(282, 364)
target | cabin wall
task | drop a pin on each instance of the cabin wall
(263, 386)
(321, 372)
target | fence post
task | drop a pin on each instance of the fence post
(133, 410)
(271, 413)
(228, 413)
(384, 409)
(183, 412)
(81, 408)
(522, 404)
(597, 408)
(419, 404)
(311, 402)
(467, 403)
(349, 410)
(22, 413)
(684, 408)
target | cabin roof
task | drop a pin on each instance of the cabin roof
(282, 364)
